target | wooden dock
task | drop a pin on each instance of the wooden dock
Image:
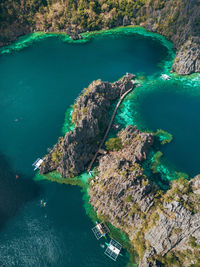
(108, 129)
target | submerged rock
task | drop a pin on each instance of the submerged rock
(73, 152)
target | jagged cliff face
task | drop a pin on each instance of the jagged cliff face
(72, 154)
(121, 193)
(188, 57)
(163, 228)
(179, 21)
(175, 236)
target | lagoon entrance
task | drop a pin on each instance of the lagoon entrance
(37, 85)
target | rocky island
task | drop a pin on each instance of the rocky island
(72, 154)
(179, 21)
(163, 226)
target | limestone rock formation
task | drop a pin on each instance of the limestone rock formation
(121, 193)
(164, 228)
(71, 155)
(188, 57)
(74, 33)
(177, 230)
(179, 22)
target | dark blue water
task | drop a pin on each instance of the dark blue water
(37, 85)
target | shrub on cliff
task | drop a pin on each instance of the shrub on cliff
(114, 144)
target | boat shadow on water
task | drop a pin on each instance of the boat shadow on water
(16, 190)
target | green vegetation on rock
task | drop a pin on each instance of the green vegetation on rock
(114, 144)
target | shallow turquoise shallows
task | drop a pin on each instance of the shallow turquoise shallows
(37, 85)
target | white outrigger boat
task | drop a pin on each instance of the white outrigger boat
(113, 249)
(100, 230)
(165, 77)
(37, 163)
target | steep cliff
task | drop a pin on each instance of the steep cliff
(120, 193)
(179, 21)
(164, 228)
(71, 155)
(188, 57)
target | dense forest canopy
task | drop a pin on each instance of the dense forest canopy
(22, 16)
(59, 13)
(178, 20)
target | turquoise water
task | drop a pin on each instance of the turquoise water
(37, 85)
(173, 106)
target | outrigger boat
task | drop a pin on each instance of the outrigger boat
(116, 126)
(113, 249)
(37, 163)
(165, 77)
(91, 173)
(100, 230)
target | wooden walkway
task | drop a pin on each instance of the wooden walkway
(109, 126)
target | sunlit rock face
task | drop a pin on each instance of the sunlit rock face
(72, 154)
(187, 60)
(120, 192)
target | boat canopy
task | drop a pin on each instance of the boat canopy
(37, 163)
(113, 249)
(100, 230)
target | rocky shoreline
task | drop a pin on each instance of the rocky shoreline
(188, 57)
(73, 152)
(163, 227)
(187, 60)
(178, 21)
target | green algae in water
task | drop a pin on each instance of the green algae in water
(80, 180)
(156, 161)
(163, 136)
